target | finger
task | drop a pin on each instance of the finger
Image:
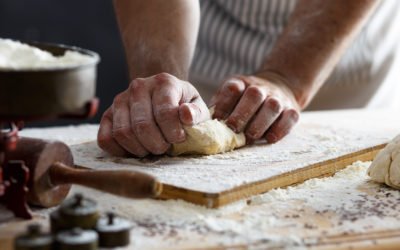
(265, 117)
(165, 101)
(122, 129)
(282, 126)
(227, 97)
(142, 120)
(193, 113)
(248, 105)
(104, 136)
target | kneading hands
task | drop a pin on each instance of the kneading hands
(149, 116)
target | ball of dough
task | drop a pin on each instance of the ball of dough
(386, 166)
(209, 137)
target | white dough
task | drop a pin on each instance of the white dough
(15, 55)
(386, 166)
(209, 137)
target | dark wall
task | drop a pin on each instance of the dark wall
(89, 24)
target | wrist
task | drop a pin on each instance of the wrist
(301, 95)
(153, 66)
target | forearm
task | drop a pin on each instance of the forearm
(312, 43)
(158, 35)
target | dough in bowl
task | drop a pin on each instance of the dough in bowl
(386, 166)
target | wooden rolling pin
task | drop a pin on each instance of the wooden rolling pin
(52, 173)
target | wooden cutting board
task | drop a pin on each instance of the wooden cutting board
(321, 144)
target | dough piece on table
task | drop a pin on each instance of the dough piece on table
(209, 137)
(386, 166)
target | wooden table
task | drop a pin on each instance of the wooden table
(366, 216)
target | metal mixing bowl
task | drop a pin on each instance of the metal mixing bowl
(33, 94)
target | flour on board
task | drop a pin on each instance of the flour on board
(317, 137)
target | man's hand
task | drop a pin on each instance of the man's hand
(148, 116)
(257, 106)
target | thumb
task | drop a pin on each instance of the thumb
(193, 113)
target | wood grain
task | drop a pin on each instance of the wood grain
(321, 169)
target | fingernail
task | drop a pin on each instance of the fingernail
(181, 135)
(249, 139)
(194, 117)
(217, 115)
(187, 115)
(271, 138)
(231, 127)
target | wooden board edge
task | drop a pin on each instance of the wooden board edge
(192, 196)
(320, 169)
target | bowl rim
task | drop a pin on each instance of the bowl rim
(40, 45)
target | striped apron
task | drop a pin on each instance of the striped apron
(236, 36)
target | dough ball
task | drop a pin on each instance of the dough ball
(209, 137)
(386, 166)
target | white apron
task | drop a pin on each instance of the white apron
(235, 37)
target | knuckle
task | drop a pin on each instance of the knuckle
(255, 93)
(165, 84)
(233, 88)
(164, 77)
(106, 114)
(164, 112)
(137, 108)
(293, 114)
(170, 89)
(274, 105)
(123, 132)
(141, 126)
(119, 98)
(137, 83)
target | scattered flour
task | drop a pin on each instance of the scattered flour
(317, 188)
(278, 218)
(15, 55)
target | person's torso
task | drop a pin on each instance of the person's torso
(235, 37)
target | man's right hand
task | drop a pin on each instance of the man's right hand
(149, 116)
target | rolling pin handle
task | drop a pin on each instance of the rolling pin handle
(126, 183)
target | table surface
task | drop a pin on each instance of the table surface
(345, 210)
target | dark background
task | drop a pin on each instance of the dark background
(90, 24)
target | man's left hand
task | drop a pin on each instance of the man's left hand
(259, 107)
